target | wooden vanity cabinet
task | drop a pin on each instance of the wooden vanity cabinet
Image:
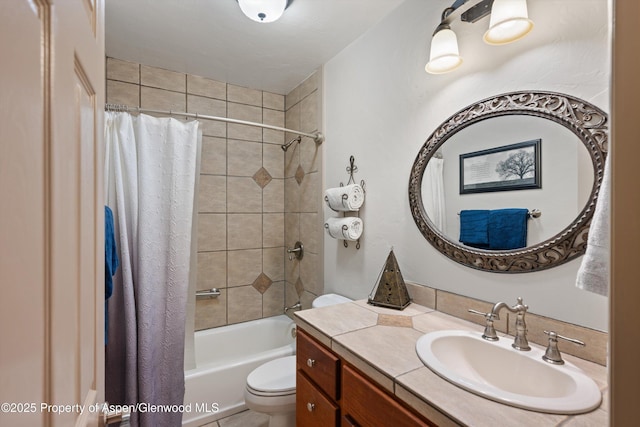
(365, 404)
(317, 383)
(329, 392)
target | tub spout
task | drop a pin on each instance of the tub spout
(295, 306)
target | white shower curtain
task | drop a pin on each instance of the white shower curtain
(150, 166)
(433, 193)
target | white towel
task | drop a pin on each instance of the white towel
(347, 228)
(347, 198)
(593, 274)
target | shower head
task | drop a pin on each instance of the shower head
(286, 146)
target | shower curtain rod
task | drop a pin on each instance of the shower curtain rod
(317, 137)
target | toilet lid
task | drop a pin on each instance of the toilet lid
(278, 375)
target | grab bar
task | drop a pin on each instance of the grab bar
(208, 293)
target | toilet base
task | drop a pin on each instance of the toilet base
(280, 409)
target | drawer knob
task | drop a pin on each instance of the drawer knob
(310, 363)
(311, 407)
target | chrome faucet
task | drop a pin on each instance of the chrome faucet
(520, 342)
(295, 306)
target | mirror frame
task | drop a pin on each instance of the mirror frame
(586, 121)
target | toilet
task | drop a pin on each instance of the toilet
(329, 299)
(271, 387)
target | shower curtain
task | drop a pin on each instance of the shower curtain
(150, 166)
(433, 192)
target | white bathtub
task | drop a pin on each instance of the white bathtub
(224, 357)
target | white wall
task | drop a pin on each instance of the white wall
(380, 106)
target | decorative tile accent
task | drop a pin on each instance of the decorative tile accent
(262, 283)
(299, 175)
(262, 177)
(299, 287)
(392, 320)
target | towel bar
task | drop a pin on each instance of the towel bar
(535, 213)
(208, 293)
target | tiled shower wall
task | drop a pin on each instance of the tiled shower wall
(242, 207)
(303, 194)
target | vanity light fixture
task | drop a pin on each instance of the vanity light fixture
(509, 22)
(263, 11)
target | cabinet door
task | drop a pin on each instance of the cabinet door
(313, 409)
(322, 366)
(364, 404)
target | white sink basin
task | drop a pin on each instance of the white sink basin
(493, 369)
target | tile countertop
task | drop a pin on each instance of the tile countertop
(381, 343)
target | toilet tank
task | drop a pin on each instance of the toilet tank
(329, 299)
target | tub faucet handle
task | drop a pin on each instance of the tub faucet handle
(297, 251)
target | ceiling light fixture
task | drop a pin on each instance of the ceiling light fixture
(509, 22)
(263, 10)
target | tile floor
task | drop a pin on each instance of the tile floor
(247, 418)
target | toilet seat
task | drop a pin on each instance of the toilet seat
(275, 378)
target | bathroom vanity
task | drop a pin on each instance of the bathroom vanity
(331, 392)
(357, 365)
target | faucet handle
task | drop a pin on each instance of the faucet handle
(552, 354)
(489, 330)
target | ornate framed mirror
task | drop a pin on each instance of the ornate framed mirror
(573, 133)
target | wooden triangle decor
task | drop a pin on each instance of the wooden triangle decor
(390, 291)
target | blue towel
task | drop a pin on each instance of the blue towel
(474, 226)
(508, 229)
(110, 263)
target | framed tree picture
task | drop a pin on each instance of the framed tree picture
(509, 167)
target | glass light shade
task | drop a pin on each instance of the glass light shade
(263, 10)
(509, 22)
(444, 55)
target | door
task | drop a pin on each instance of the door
(52, 218)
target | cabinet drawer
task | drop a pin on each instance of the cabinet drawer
(312, 407)
(364, 404)
(320, 365)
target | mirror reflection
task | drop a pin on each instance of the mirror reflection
(567, 138)
(566, 174)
